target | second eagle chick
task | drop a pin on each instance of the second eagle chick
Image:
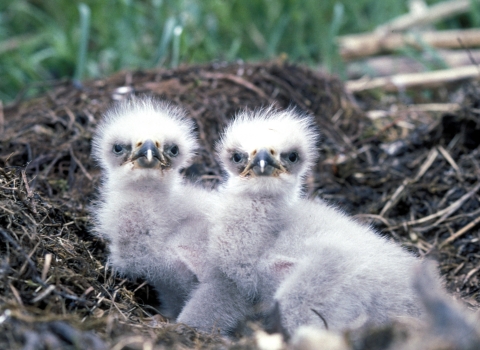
(266, 155)
(268, 244)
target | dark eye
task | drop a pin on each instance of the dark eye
(117, 149)
(293, 157)
(174, 150)
(237, 157)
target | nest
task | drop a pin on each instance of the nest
(413, 176)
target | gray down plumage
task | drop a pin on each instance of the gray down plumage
(150, 217)
(266, 154)
(268, 244)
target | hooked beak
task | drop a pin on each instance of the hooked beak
(149, 156)
(263, 164)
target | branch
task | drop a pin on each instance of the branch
(416, 80)
(430, 15)
(381, 66)
(368, 44)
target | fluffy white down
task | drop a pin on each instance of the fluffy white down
(278, 130)
(151, 219)
(345, 271)
(143, 118)
(251, 213)
(268, 244)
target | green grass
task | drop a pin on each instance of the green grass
(41, 40)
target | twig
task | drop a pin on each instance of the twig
(450, 160)
(418, 108)
(237, 80)
(415, 80)
(460, 232)
(449, 210)
(46, 266)
(123, 343)
(368, 44)
(43, 294)
(396, 195)
(80, 165)
(373, 217)
(381, 66)
(470, 274)
(140, 286)
(432, 14)
(28, 259)
(16, 294)
(27, 187)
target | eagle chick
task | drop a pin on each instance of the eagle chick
(266, 154)
(146, 212)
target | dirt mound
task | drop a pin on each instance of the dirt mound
(415, 177)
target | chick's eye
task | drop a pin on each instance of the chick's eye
(117, 149)
(174, 150)
(293, 157)
(237, 157)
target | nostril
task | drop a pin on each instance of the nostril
(139, 143)
(254, 152)
(157, 144)
(272, 152)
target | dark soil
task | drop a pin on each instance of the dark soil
(412, 175)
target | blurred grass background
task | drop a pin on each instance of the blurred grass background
(44, 40)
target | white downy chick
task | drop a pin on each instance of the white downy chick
(270, 245)
(266, 155)
(145, 211)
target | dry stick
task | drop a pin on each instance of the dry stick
(418, 108)
(124, 342)
(237, 80)
(369, 44)
(27, 187)
(432, 14)
(140, 286)
(445, 217)
(458, 268)
(470, 274)
(401, 82)
(15, 244)
(16, 294)
(22, 316)
(28, 261)
(44, 294)
(450, 160)
(448, 210)
(80, 165)
(396, 196)
(112, 300)
(386, 65)
(29, 200)
(48, 168)
(46, 266)
(87, 291)
(460, 232)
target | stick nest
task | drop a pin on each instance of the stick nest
(412, 175)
